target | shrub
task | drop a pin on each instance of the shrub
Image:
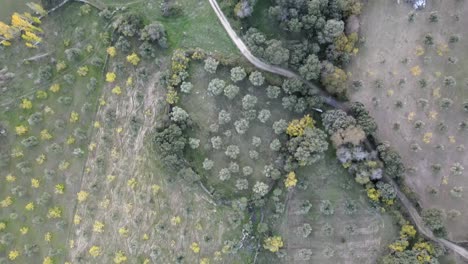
(326, 207)
(30, 142)
(457, 169)
(216, 87)
(350, 207)
(449, 81)
(237, 74)
(211, 65)
(445, 103)
(433, 219)
(231, 91)
(256, 78)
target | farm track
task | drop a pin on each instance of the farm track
(328, 99)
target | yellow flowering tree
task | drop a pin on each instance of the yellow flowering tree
(133, 59)
(297, 126)
(95, 251)
(273, 243)
(21, 130)
(110, 77)
(112, 51)
(26, 104)
(290, 180)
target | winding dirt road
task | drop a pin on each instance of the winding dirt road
(328, 99)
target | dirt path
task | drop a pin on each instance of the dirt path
(332, 102)
(328, 99)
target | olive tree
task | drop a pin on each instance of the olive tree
(216, 87)
(232, 151)
(238, 74)
(224, 117)
(264, 115)
(280, 126)
(308, 148)
(231, 91)
(241, 125)
(249, 101)
(211, 65)
(273, 91)
(186, 87)
(256, 78)
(310, 70)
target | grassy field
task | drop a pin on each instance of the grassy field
(46, 164)
(196, 27)
(417, 97)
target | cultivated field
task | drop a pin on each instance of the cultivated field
(413, 66)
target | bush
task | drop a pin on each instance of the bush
(264, 115)
(154, 32)
(232, 151)
(433, 219)
(237, 74)
(211, 65)
(249, 101)
(30, 142)
(216, 87)
(256, 78)
(231, 91)
(449, 81)
(326, 207)
(35, 118)
(273, 91)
